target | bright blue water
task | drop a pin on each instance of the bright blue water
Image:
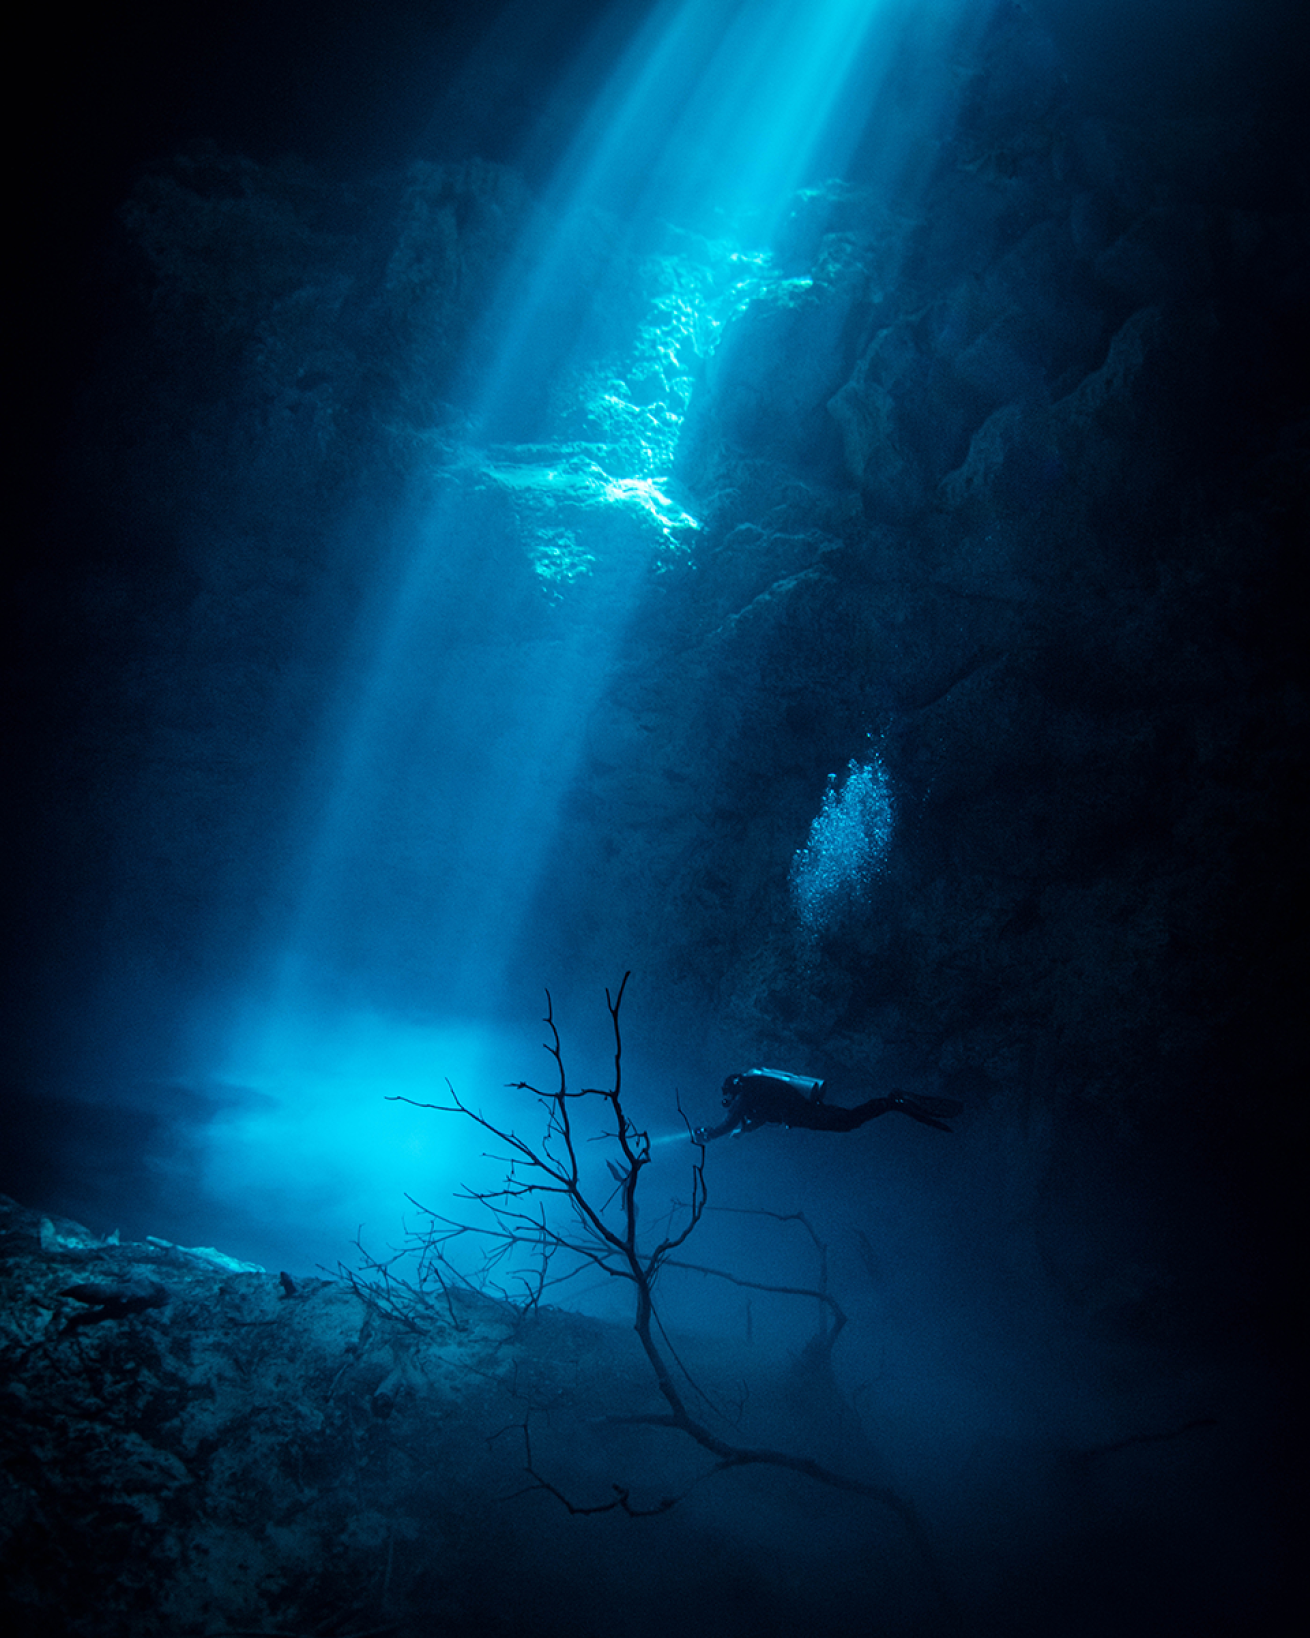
(445, 756)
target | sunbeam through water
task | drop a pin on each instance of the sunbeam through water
(504, 589)
(777, 518)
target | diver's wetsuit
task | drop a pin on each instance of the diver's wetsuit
(771, 1097)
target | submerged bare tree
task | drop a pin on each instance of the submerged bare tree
(545, 1224)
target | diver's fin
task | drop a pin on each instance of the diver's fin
(944, 1107)
(928, 1111)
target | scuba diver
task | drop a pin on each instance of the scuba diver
(771, 1097)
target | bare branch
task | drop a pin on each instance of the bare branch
(820, 1293)
(622, 1493)
(839, 1318)
(542, 1180)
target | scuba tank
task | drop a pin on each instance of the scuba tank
(810, 1087)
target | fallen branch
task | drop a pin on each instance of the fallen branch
(544, 1208)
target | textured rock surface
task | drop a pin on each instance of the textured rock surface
(1002, 482)
(249, 1457)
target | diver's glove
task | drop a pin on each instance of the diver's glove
(927, 1111)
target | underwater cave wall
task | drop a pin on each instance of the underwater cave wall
(994, 481)
(988, 476)
(998, 478)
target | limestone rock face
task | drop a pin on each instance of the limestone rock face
(267, 1454)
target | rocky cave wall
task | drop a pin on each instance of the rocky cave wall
(1002, 481)
(243, 1454)
(999, 481)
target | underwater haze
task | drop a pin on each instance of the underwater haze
(800, 504)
